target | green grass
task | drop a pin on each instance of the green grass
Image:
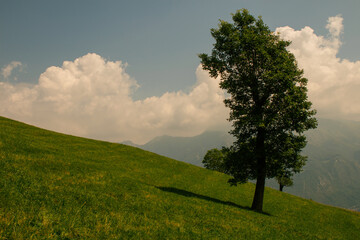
(55, 186)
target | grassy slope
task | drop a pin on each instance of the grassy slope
(54, 186)
(331, 174)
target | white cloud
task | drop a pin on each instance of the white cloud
(335, 26)
(91, 97)
(7, 70)
(334, 83)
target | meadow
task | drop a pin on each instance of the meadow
(56, 186)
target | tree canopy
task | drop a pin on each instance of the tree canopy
(269, 108)
(214, 160)
(284, 181)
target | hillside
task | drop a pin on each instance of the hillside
(55, 186)
(331, 175)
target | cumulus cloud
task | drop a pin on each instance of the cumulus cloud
(91, 97)
(7, 70)
(334, 83)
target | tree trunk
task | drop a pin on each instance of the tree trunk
(258, 200)
(281, 187)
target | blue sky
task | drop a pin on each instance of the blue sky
(159, 40)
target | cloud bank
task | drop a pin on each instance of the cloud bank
(92, 97)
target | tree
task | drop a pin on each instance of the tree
(214, 160)
(269, 109)
(284, 181)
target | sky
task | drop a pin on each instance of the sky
(129, 70)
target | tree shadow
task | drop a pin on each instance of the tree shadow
(207, 198)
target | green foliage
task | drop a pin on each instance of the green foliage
(284, 181)
(268, 100)
(214, 159)
(54, 186)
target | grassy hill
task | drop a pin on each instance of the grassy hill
(331, 174)
(55, 186)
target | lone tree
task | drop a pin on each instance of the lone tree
(269, 109)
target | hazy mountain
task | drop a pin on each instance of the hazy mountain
(188, 149)
(331, 175)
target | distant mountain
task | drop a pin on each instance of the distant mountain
(331, 175)
(188, 149)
